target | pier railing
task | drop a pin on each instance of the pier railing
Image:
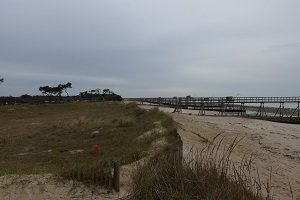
(228, 104)
(192, 100)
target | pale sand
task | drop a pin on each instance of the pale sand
(48, 187)
(274, 145)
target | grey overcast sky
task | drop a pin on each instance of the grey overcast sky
(152, 47)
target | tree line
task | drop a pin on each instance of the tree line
(58, 90)
(54, 93)
(97, 92)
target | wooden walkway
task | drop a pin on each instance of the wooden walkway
(229, 104)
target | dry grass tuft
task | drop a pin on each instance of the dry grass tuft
(209, 174)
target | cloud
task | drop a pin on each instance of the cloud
(285, 46)
(20, 74)
(151, 47)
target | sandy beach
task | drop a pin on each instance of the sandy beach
(275, 146)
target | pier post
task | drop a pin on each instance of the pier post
(298, 110)
(222, 108)
(284, 110)
(178, 107)
(258, 112)
(202, 108)
(242, 108)
(280, 112)
(261, 111)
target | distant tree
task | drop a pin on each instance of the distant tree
(66, 86)
(1, 79)
(58, 90)
(105, 91)
(98, 91)
(47, 90)
(83, 94)
(95, 94)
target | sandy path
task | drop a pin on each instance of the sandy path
(275, 145)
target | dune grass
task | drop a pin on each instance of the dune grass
(209, 174)
(59, 138)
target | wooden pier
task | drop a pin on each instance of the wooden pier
(229, 104)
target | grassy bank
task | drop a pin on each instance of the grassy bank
(59, 138)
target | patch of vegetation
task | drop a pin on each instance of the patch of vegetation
(59, 138)
(208, 174)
